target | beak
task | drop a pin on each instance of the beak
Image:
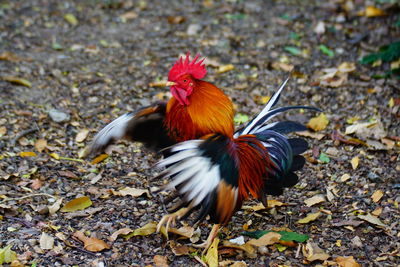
(169, 83)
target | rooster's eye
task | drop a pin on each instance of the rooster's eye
(185, 81)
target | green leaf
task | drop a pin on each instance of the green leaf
(236, 16)
(293, 50)
(286, 17)
(324, 49)
(241, 118)
(386, 53)
(280, 247)
(285, 235)
(71, 19)
(324, 158)
(294, 36)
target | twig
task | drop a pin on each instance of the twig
(31, 195)
(72, 159)
(23, 133)
(200, 261)
(298, 251)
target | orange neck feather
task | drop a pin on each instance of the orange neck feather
(209, 111)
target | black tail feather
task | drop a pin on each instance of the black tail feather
(299, 145)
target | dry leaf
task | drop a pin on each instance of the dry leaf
(309, 218)
(211, 257)
(9, 56)
(267, 239)
(354, 162)
(81, 136)
(317, 136)
(79, 203)
(3, 131)
(318, 123)
(134, 192)
(225, 68)
(158, 84)
(99, 158)
(345, 177)
(314, 200)
(347, 262)
(179, 249)
(27, 154)
(347, 67)
(129, 15)
(372, 219)
(40, 145)
(36, 184)
(123, 231)
(312, 252)
(366, 130)
(55, 207)
(46, 241)
(184, 231)
(371, 11)
(377, 195)
(91, 243)
(17, 80)
(71, 19)
(238, 264)
(377, 211)
(160, 261)
(145, 230)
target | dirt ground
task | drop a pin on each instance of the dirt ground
(69, 67)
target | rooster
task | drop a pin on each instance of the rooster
(213, 168)
(216, 173)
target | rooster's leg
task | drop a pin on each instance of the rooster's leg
(170, 219)
(210, 238)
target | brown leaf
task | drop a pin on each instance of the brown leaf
(184, 231)
(122, 231)
(3, 131)
(317, 136)
(312, 252)
(130, 191)
(9, 56)
(40, 145)
(129, 15)
(347, 262)
(36, 184)
(176, 19)
(91, 243)
(68, 174)
(377, 195)
(179, 249)
(79, 203)
(160, 261)
(267, 239)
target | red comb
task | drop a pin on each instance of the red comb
(196, 69)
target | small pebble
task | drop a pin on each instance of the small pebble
(58, 116)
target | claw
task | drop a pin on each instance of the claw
(170, 219)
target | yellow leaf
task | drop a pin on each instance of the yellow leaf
(81, 136)
(377, 211)
(391, 102)
(91, 243)
(309, 218)
(312, 252)
(318, 123)
(27, 154)
(79, 203)
(347, 262)
(40, 145)
(267, 239)
(225, 68)
(160, 261)
(46, 241)
(184, 231)
(211, 257)
(17, 80)
(345, 177)
(371, 11)
(99, 158)
(147, 229)
(354, 162)
(7, 255)
(314, 200)
(377, 195)
(71, 19)
(158, 84)
(55, 156)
